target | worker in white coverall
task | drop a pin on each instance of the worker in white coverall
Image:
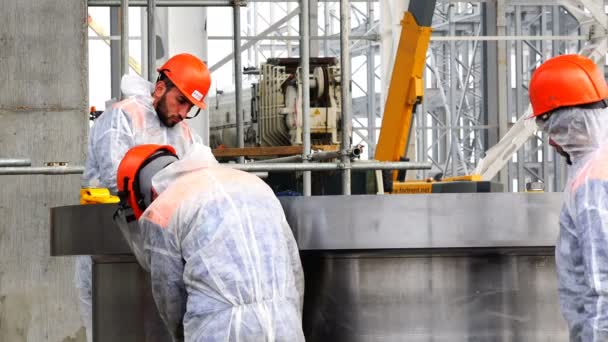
(150, 113)
(568, 95)
(223, 261)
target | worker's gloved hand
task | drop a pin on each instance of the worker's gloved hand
(131, 231)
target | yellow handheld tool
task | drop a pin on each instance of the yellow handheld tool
(97, 196)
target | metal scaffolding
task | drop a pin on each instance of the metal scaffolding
(478, 66)
(472, 99)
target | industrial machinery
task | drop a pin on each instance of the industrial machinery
(277, 104)
(377, 268)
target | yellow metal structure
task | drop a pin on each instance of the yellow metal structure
(413, 187)
(405, 90)
(97, 196)
(466, 178)
(426, 186)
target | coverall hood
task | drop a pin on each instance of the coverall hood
(198, 157)
(131, 85)
(579, 132)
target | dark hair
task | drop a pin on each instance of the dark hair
(163, 77)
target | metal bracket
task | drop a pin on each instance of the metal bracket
(239, 3)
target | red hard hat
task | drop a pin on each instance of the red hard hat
(565, 81)
(128, 170)
(190, 75)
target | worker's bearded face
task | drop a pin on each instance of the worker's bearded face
(162, 110)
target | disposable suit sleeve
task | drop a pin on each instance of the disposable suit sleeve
(113, 138)
(571, 276)
(90, 176)
(592, 222)
(166, 273)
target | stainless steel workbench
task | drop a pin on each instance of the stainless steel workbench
(443, 267)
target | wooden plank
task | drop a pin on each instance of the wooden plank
(268, 151)
(258, 151)
(326, 148)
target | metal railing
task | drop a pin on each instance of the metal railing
(250, 167)
(15, 162)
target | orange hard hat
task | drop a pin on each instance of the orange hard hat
(138, 157)
(566, 81)
(190, 75)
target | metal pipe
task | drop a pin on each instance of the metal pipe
(288, 159)
(124, 37)
(151, 40)
(326, 33)
(15, 162)
(371, 89)
(520, 101)
(288, 167)
(355, 152)
(262, 175)
(272, 28)
(376, 38)
(305, 76)
(238, 80)
(319, 156)
(252, 167)
(42, 170)
(345, 88)
(115, 76)
(371, 37)
(166, 3)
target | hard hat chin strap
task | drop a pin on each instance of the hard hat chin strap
(123, 205)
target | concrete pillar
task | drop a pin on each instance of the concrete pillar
(43, 110)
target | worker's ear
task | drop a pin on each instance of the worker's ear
(159, 89)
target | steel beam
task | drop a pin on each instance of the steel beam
(166, 3)
(238, 79)
(124, 37)
(271, 28)
(151, 11)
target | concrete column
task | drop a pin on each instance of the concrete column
(43, 109)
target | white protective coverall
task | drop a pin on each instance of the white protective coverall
(582, 248)
(128, 123)
(222, 257)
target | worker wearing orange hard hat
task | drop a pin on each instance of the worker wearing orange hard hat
(223, 261)
(148, 114)
(569, 96)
